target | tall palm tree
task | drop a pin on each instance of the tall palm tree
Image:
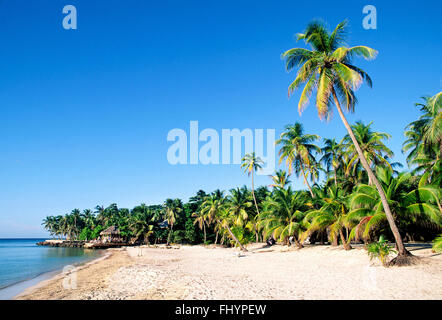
(172, 207)
(297, 149)
(332, 156)
(251, 163)
(328, 68)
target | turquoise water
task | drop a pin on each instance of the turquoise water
(22, 260)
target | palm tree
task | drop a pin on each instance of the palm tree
(172, 207)
(297, 149)
(332, 156)
(283, 214)
(214, 207)
(424, 139)
(238, 205)
(328, 68)
(140, 226)
(201, 220)
(420, 206)
(280, 179)
(332, 215)
(251, 163)
(375, 151)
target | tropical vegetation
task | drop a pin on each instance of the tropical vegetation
(354, 191)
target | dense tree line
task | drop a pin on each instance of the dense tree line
(354, 192)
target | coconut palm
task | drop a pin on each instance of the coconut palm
(328, 68)
(280, 179)
(215, 209)
(282, 215)
(201, 221)
(332, 216)
(297, 149)
(371, 143)
(424, 139)
(251, 163)
(331, 156)
(141, 225)
(420, 206)
(172, 207)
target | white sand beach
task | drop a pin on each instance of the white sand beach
(277, 272)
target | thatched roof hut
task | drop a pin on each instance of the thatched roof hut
(111, 231)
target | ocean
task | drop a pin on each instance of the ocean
(23, 263)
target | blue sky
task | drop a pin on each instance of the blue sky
(85, 113)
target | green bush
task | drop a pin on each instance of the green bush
(437, 244)
(85, 234)
(96, 232)
(380, 250)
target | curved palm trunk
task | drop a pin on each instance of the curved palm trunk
(298, 244)
(253, 194)
(234, 238)
(347, 245)
(306, 182)
(389, 215)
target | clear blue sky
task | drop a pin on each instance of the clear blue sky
(85, 113)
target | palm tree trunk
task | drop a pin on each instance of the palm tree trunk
(389, 215)
(298, 244)
(204, 228)
(234, 238)
(347, 246)
(305, 180)
(336, 180)
(253, 194)
(216, 238)
(170, 233)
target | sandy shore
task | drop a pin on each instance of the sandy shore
(197, 272)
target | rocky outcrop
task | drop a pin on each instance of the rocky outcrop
(62, 243)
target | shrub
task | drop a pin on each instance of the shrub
(380, 250)
(437, 244)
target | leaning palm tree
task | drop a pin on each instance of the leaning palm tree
(328, 68)
(297, 149)
(252, 163)
(215, 210)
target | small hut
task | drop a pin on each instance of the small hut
(111, 234)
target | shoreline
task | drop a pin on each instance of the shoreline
(13, 291)
(277, 272)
